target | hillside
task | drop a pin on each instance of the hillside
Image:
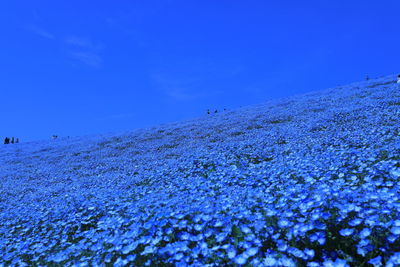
(307, 180)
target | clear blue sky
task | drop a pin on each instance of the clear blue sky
(83, 67)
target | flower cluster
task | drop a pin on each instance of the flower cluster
(311, 180)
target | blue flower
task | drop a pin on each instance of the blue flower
(283, 223)
(346, 231)
(241, 259)
(336, 263)
(251, 251)
(309, 252)
(355, 222)
(270, 261)
(231, 253)
(365, 233)
(377, 261)
(395, 230)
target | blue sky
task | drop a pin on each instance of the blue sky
(87, 67)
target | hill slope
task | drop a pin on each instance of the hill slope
(311, 178)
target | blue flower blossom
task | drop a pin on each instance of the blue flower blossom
(376, 262)
(365, 233)
(346, 231)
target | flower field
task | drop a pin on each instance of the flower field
(310, 180)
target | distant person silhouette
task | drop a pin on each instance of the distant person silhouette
(208, 111)
(216, 111)
(398, 79)
(6, 141)
(12, 140)
(17, 140)
(367, 78)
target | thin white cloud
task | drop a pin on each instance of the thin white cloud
(175, 88)
(88, 58)
(81, 42)
(40, 32)
(85, 50)
(187, 81)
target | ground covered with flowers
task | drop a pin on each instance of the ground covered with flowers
(311, 180)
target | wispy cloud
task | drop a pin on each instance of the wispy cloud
(178, 88)
(81, 42)
(85, 50)
(40, 31)
(88, 58)
(190, 80)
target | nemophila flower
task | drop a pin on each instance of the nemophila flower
(178, 256)
(203, 245)
(182, 224)
(395, 230)
(59, 257)
(295, 252)
(309, 252)
(346, 232)
(129, 248)
(287, 262)
(131, 258)
(394, 260)
(336, 263)
(365, 233)
(376, 262)
(269, 261)
(251, 251)
(206, 217)
(215, 248)
(181, 263)
(283, 223)
(319, 237)
(221, 236)
(395, 172)
(148, 250)
(281, 245)
(231, 252)
(198, 227)
(241, 259)
(255, 262)
(209, 232)
(392, 238)
(355, 222)
(245, 229)
(184, 236)
(218, 223)
(319, 225)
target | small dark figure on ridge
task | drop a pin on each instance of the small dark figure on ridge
(6, 141)
(216, 111)
(367, 78)
(12, 140)
(17, 140)
(208, 111)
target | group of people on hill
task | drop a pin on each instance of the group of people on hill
(11, 141)
(216, 111)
